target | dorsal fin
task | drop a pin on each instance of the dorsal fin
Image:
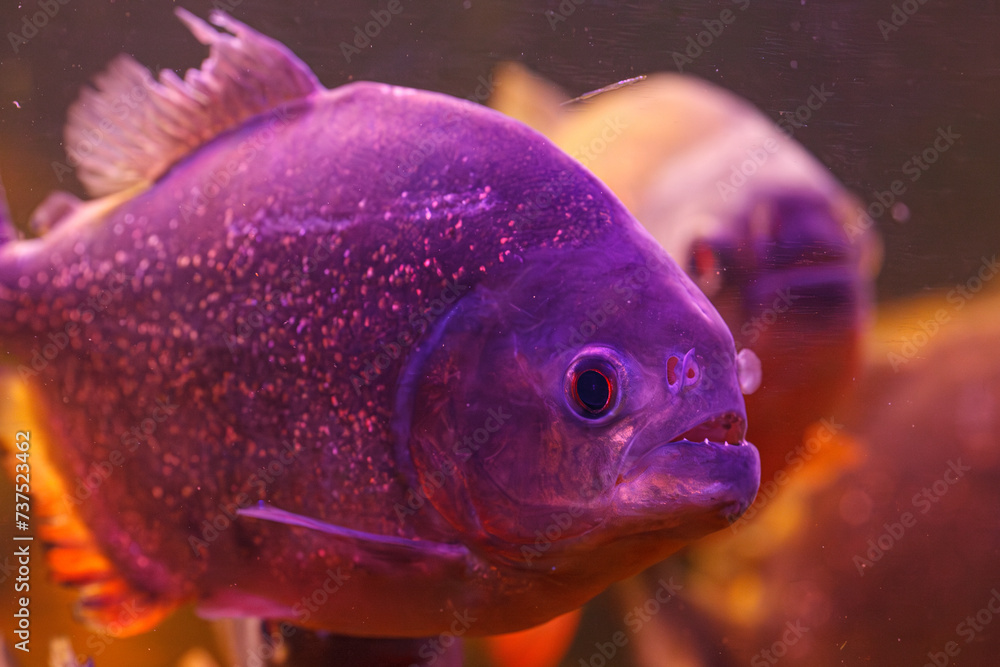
(130, 128)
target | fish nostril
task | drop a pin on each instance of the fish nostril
(683, 373)
(672, 371)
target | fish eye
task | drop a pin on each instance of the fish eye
(594, 386)
(705, 267)
(593, 390)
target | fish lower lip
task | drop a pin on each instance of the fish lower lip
(647, 459)
(723, 431)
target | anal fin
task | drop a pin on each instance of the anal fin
(107, 603)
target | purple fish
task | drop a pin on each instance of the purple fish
(370, 360)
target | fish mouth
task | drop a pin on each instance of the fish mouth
(726, 430)
(692, 484)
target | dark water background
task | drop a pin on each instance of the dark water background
(940, 69)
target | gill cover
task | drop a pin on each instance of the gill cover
(481, 427)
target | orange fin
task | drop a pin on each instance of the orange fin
(108, 604)
(541, 646)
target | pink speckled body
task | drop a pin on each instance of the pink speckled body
(313, 310)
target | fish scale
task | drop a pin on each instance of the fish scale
(329, 337)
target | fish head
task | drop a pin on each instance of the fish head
(792, 277)
(591, 396)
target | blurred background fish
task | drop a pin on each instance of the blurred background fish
(784, 251)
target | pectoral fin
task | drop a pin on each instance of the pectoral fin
(370, 543)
